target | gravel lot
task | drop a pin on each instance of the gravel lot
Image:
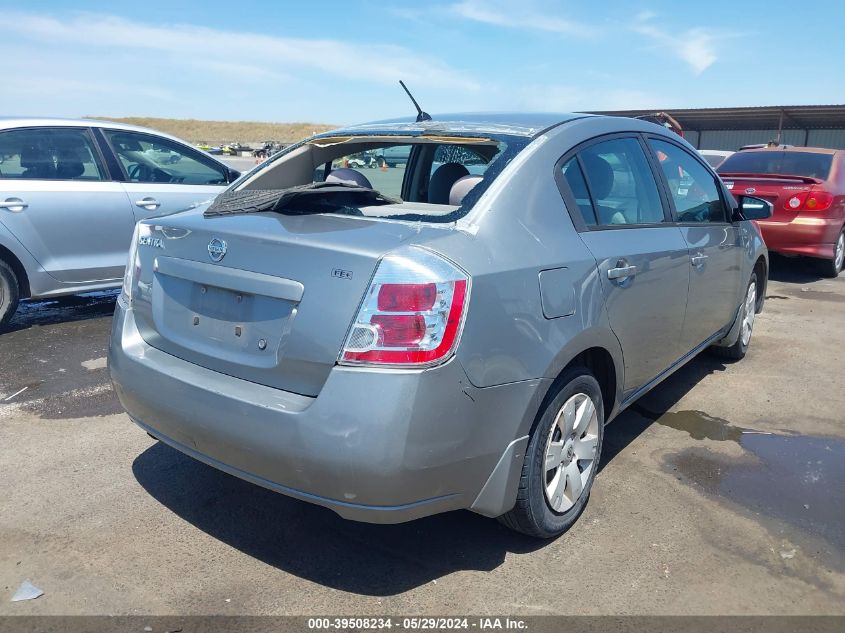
(723, 491)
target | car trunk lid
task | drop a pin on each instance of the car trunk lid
(773, 188)
(264, 297)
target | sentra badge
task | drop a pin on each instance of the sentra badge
(147, 240)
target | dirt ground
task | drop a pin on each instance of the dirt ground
(721, 492)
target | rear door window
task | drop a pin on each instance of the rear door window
(578, 186)
(613, 185)
(472, 161)
(147, 158)
(49, 154)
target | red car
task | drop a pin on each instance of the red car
(806, 186)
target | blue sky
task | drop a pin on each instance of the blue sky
(339, 62)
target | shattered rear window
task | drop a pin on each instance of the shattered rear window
(417, 178)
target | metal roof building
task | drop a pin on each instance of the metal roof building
(731, 128)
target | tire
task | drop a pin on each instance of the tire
(831, 267)
(543, 508)
(738, 350)
(9, 293)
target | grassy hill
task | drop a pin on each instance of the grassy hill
(216, 132)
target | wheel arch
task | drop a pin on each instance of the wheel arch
(603, 359)
(18, 268)
(761, 267)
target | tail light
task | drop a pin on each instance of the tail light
(809, 201)
(133, 268)
(818, 201)
(412, 313)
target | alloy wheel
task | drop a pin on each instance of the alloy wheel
(570, 452)
(750, 313)
(839, 254)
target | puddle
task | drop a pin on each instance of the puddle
(699, 425)
(63, 309)
(798, 479)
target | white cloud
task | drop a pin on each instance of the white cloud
(695, 46)
(521, 15)
(236, 53)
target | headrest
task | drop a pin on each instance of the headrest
(33, 157)
(600, 175)
(462, 187)
(349, 176)
(69, 164)
(442, 180)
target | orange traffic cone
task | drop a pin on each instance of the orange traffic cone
(384, 165)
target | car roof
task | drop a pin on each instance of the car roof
(510, 123)
(10, 122)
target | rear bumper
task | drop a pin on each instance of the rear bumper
(808, 236)
(374, 445)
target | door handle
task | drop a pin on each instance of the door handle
(15, 205)
(149, 204)
(698, 260)
(621, 272)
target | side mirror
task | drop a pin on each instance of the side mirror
(234, 174)
(751, 208)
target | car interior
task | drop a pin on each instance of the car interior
(139, 161)
(621, 189)
(437, 176)
(47, 156)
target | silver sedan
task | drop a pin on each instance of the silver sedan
(71, 192)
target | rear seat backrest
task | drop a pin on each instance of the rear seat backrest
(349, 176)
(440, 184)
(462, 187)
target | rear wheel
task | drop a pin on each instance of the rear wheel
(831, 267)
(561, 459)
(9, 293)
(748, 313)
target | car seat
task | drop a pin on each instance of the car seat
(440, 184)
(69, 164)
(462, 187)
(600, 175)
(348, 176)
(37, 163)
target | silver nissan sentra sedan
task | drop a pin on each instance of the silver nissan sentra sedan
(449, 332)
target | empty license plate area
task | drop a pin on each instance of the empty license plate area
(221, 323)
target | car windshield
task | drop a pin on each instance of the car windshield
(809, 164)
(419, 178)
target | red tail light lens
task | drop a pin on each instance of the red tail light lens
(412, 313)
(809, 201)
(399, 330)
(818, 201)
(406, 297)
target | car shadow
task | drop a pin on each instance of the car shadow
(625, 428)
(32, 312)
(794, 270)
(380, 560)
(316, 544)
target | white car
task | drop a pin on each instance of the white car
(714, 157)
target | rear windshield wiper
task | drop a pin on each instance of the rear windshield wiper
(318, 197)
